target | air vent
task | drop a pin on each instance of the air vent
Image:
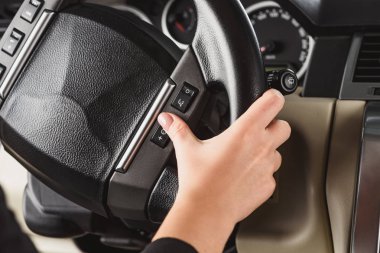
(367, 68)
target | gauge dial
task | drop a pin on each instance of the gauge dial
(284, 43)
(179, 22)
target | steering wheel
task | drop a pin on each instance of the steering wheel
(85, 84)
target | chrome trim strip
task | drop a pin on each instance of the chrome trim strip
(25, 52)
(145, 127)
(365, 228)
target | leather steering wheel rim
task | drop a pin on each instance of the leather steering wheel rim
(228, 52)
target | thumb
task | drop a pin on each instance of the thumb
(177, 129)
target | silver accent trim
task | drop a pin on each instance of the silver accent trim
(365, 229)
(145, 127)
(25, 52)
(266, 4)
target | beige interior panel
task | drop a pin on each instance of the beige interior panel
(296, 220)
(13, 179)
(342, 170)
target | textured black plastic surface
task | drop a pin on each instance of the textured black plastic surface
(80, 98)
(48, 213)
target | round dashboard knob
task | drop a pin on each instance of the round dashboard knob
(285, 81)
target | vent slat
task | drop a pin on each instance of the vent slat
(367, 69)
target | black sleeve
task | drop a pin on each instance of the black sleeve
(166, 245)
(12, 239)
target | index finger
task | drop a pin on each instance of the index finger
(264, 110)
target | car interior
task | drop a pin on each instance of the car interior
(85, 166)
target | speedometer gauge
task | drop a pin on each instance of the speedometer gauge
(284, 43)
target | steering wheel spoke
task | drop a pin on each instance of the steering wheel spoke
(186, 96)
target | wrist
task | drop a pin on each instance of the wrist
(202, 226)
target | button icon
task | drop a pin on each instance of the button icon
(189, 90)
(160, 138)
(180, 102)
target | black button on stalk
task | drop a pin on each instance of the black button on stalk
(182, 102)
(13, 42)
(184, 99)
(285, 81)
(160, 138)
(31, 10)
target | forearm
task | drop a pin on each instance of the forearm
(202, 228)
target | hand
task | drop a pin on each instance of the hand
(224, 179)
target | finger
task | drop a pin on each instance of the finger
(279, 132)
(178, 131)
(264, 110)
(277, 161)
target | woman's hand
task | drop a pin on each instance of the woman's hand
(224, 179)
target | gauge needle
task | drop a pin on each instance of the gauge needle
(180, 27)
(263, 50)
(268, 47)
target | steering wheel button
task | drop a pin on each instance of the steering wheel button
(35, 3)
(189, 90)
(2, 70)
(17, 35)
(13, 42)
(182, 102)
(185, 98)
(160, 138)
(30, 12)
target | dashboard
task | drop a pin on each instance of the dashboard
(283, 41)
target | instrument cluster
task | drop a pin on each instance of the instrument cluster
(284, 42)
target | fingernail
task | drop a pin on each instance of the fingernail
(165, 120)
